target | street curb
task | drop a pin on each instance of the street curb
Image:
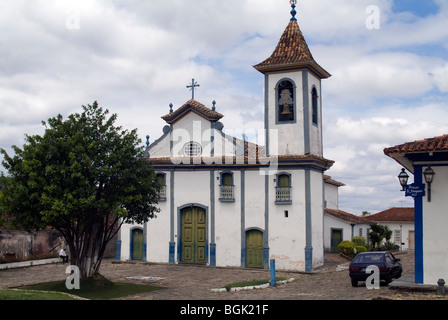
(262, 286)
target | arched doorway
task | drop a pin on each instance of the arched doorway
(137, 244)
(254, 249)
(194, 235)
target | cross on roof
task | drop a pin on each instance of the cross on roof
(193, 85)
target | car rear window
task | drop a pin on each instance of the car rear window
(369, 258)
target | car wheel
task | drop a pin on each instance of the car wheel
(354, 283)
(388, 278)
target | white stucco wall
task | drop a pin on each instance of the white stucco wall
(331, 196)
(227, 224)
(317, 201)
(435, 222)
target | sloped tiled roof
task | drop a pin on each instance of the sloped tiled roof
(330, 180)
(192, 106)
(393, 214)
(346, 216)
(439, 143)
(292, 52)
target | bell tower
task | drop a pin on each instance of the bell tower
(293, 104)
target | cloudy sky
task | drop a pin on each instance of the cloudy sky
(388, 58)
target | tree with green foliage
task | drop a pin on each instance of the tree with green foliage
(84, 177)
(378, 233)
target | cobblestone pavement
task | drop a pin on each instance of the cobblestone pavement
(190, 282)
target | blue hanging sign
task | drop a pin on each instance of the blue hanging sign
(415, 190)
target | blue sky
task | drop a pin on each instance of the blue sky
(417, 7)
(389, 85)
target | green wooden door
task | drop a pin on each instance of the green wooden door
(336, 239)
(137, 244)
(254, 249)
(194, 235)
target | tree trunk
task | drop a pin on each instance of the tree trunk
(87, 246)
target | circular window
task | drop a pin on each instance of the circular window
(192, 149)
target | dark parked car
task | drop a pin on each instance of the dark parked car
(387, 264)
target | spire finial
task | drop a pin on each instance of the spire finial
(293, 11)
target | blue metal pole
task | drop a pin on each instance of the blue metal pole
(273, 281)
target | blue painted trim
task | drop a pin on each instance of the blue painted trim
(314, 164)
(308, 259)
(171, 250)
(266, 112)
(308, 223)
(213, 254)
(243, 255)
(418, 226)
(212, 219)
(145, 241)
(306, 112)
(243, 219)
(266, 222)
(265, 257)
(172, 243)
(321, 118)
(118, 250)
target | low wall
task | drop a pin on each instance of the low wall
(30, 263)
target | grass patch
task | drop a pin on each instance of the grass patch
(96, 288)
(32, 295)
(251, 283)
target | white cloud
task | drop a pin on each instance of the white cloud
(135, 57)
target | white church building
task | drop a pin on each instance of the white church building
(229, 202)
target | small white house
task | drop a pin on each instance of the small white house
(401, 222)
(427, 160)
(340, 226)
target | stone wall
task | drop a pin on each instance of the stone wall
(23, 244)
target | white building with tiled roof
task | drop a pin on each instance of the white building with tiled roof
(427, 161)
(401, 222)
(228, 202)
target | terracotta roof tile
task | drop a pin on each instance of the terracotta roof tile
(292, 52)
(346, 216)
(330, 180)
(439, 143)
(194, 106)
(393, 214)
